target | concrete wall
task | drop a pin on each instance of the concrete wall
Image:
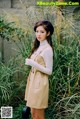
(15, 3)
(5, 3)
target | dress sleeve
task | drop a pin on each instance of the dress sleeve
(48, 58)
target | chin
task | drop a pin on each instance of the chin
(39, 39)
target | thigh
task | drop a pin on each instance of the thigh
(38, 113)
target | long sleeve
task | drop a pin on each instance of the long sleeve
(48, 58)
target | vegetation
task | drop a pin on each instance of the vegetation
(64, 94)
(13, 73)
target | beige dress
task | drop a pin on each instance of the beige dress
(37, 88)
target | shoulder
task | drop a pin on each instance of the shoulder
(48, 51)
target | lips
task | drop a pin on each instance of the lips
(39, 37)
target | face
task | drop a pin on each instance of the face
(41, 33)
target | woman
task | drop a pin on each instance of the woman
(41, 61)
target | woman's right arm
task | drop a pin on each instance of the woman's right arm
(48, 58)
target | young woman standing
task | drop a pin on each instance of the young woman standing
(41, 61)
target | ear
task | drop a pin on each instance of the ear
(48, 33)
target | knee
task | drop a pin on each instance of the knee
(37, 114)
(34, 115)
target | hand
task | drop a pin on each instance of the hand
(27, 61)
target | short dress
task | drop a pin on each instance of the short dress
(37, 88)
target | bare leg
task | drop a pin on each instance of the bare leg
(37, 113)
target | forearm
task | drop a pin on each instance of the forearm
(39, 67)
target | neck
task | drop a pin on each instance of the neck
(44, 42)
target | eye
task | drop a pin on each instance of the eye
(42, 31)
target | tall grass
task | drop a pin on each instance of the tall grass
(64, 95)
(13, 74)
(64, 101)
